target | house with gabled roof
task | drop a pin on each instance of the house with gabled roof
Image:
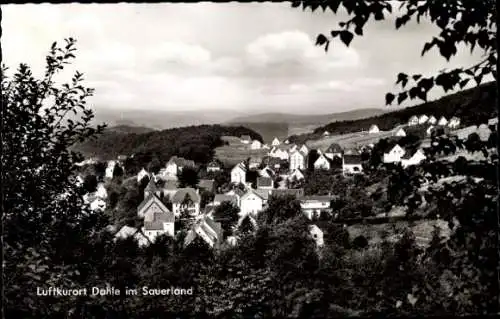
(432, 120)
(256, 145)
(186, 199)
(322, 162)
(158, 219)
(413, 158)
(334, 150)
(265, 183)
(413, 120)
(296, 174)
(287, 141)
(304, 149)
(400, 132)
(251, 202)
(373, 129)
(429, 130)
(297, 160)
(423, 119)
(245, 139)
(214, 166)
(443, 121)
(280, 153)
(267, 172)
(152, 188)
(176, 164)
(352, 164)
(313, 205)
(238, 174)
(208, 230)
(326, 133)
(394, 154)
(454, 122)
(275, 142)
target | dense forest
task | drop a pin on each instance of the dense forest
(472, 106)
(193, 142)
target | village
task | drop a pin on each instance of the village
(255, 180)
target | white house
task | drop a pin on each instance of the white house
(143, 173)
(296, 174)
(334, 150)
(413, 158)
(313, 205)
(400, 132)
(281, 154)
(423, 119)
(394, 155)
(110, 168)
(251, 203)
(443, 121)
(432, 120)
(287, 142)
(373, 129)
(256, 145)
(322, 163)
(454, 122)
(158, 219)
(276, 142)
(429, 130)
(213, 166)
(206, 229)
(413, 120)
(176, 164)
(186, 199)
(304, 149)
(316, 234)
(266, 172)
(297, 160)
(238, 174)
(351, 164)
(245, 139)
(326, 133)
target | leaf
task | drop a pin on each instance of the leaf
(358, 30)
(416, 77)
(321, 39)
(346, 37)
(464, 83)
(428, 46)
(334, 33)
(334, 5)
(389, 97)
(478, 79)
(413, 92)
(402, 97)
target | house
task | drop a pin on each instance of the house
(279, 153)
(304, 149)
(394, 155)
(432, 120)
(292, 148)
(275, 142)
(245, 139)
(313, 205)
(322, 163)
(158, 219)
(373, 129)
(251, 202)
(326, 133)
(238, 174)
(236, 192)
(214, 166)
(143, 173)
(254, 162)
(454, 122)
(267, 172)
(429, 130)
(127, 231)
(423, 119)
(219, 198)
(443, 121)
(186, 199)
(400, 132)
(297, 160)
(413, 120)
(176, 164)
(351, 164)
(256, 145)
(207, 185)
(110, 169)
(206, 229)
(265, 183)
(297, 193)
(412, 158)
(316, 234)
(334, 150)
(296, 174)
(287, 142)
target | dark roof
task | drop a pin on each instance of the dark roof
(285, 192)
(216, 226)
(148, 200)
(352, 159)
(181, 194)
(207, 184)
(264, 182)
(151, 187)
(167, 217)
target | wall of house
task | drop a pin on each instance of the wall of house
(171, 169)
(251, 204)
(194, 209)
(238, 176)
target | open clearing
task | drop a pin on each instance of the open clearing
(236, 151)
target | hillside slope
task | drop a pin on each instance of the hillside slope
(194, 142)
(268, 130)
(472, 106)
(127, 129)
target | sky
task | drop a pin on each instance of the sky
(257, 57)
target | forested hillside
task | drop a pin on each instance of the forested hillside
(268, 130)
(193, 142)
(472, 106)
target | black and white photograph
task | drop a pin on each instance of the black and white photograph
(234, 160)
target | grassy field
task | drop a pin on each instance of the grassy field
(236, 151)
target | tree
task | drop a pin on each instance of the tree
(246, 226)
(154, 166)
(46, 224)
(280, 209)
(227, 214)
(468, 23)
(118, 171)
(473, 143)
(90, 183)
(188, 177)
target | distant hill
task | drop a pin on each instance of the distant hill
(297, 119)
(268, 130)
(193, 142)
(472, 106)
(127, 129)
